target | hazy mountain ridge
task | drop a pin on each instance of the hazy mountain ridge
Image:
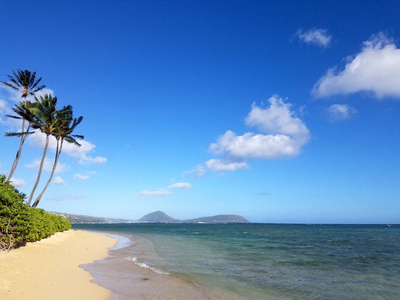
(219, 219)
(154, 217)
(161, 217)
(157, 217)
(79, 219)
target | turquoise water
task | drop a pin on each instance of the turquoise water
(267, 261)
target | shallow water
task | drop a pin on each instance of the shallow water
(265, 261)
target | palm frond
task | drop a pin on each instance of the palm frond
(9, 85)
(19, 134)
(23, 112)
(37, 89)
(13, 80)
(16, 82)
(76, 122)
(31, 77)
(71, 140)
(25, 80)
(78, 136)
(14, 117)
(35, 83)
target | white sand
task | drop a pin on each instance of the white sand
(49, 269)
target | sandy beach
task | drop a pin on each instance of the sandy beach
(130, 279)
(55, 268)
(49, 269)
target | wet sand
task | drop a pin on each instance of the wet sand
(80, 265)
(49, 269)
(127, 280)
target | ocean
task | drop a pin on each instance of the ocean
(257, 261)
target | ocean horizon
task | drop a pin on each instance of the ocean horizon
(260, 261)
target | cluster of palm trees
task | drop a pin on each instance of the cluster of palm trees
(42, 116)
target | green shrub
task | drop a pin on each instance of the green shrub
(20, 223)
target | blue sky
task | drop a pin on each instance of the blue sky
(280, 111)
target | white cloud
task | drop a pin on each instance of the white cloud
(58, 180)
(180, 185)
(197, 172)
(38, 140)
(13, 124)
(159, 192)
(276, 119)
(48, 165)
(318, 37)
(79, 152)
(17, 182)
(339, 112)
(81, 177)
(375, 69)
(283, 135)
(3, 106)
(252, 145)
(15, 95)
(164, 192)
(90, 160)
(218, 165)
(286, 134)
(66, 197)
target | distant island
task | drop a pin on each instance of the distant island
(82, 219)
(161, 217)
(157, 217)
(154, 217)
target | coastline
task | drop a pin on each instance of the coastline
(50, 268)
(126, 278)
(121, 265)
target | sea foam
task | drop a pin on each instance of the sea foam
(146, 266)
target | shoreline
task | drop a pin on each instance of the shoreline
(51, 267)
(128, 278)
(80, 264)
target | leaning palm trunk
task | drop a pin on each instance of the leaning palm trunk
(58, 152)
(26, 82)
(40, 170)
(23, 137)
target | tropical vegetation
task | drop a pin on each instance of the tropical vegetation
(65, 125)
(22, 222)
(44, 117)
(24, 81)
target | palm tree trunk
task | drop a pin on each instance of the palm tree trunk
(58, 152)
(18, 155)
(40, 170)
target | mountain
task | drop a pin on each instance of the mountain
(157, 217)
(81, 219)
(219, 219)
(161, 217)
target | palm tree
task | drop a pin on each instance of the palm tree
(26, 82)
(45, 121)
(24, 111)
(63, 131)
